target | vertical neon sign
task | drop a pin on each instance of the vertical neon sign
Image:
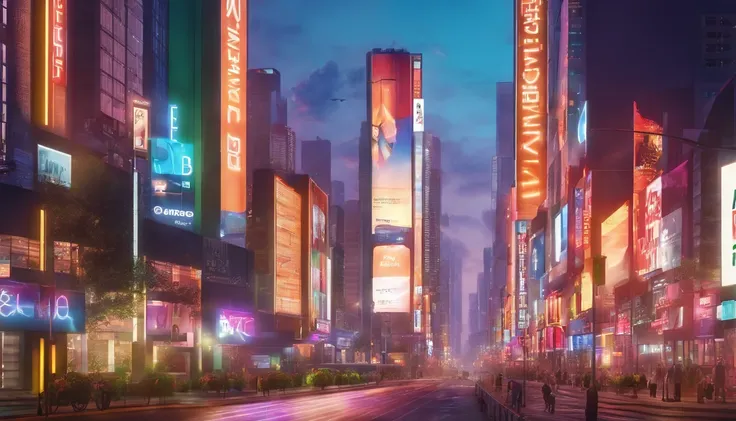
(58, 43)
(233, 67)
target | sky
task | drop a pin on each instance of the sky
(319, 47)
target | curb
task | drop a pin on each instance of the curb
(637, 403)
(211, 404)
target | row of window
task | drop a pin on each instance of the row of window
(24, 253)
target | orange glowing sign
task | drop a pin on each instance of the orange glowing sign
(233, 68)
(58, 42)
(531, 106)
(287, 250)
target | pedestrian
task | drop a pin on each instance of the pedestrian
(669, 380)
(678, 382)
(658, 378)
(259, 385)
(719, 380)
(591, 403)
(516, 395)
(549, 398)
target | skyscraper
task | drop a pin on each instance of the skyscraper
(472, 312)
(482, 309)
(283, 148)
(317, 162)
(338, 192)
(353, 268)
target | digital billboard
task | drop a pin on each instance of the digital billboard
(560, 235)
(172, 177)
(615, 245)
(54, 167)
(392, 112)
(288, 250)
(391, 264)
(235, 327)
(141, 125)
(233, 104)
(728, 225)
(531, 106)
(418, 231)
(169, 322)
(670, 241)
(648, 260)
(536, 257)
(319, 251)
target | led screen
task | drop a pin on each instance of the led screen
(141, 125)
(235, 327)
(670, 241)
(418, 231)
(536, 263)
(728, 225)
(54, 167)
(391, 279)
(560, 234)
(319, 253)
(614, 245)
(169, 321)
(288, 265)
(649, 242)
(392, 111)
(172, 177)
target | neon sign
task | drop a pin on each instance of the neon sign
(235, 326)
(186, 161)
(58, 41)
(233, 65)
(10, 304)
(531, 106)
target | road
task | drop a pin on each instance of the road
(428, 400)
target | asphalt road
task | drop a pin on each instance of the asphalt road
(427, 400)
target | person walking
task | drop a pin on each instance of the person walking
(659, 374)
(719, 380)
(668, 382)
(678, 382)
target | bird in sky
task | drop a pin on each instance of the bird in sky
(338, 99)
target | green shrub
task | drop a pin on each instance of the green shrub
(277, 380)
(297, 380)
(156, 384)
(321, 378)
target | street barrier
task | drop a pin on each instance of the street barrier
(494, 409)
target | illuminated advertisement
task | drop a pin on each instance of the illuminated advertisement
(418, 231)
(233, 103)
(615, 245)
(319, 254)
(418, 115)
(583, 124)
(141, 125)
(394, 86)
(288, 253)
(235, 327)
(579, 204)
(531, 106)
(172, 177)
(52, 108)
(27, 307)
(171, 322)
(704, 317)
(670, 241)
(522, 253)
(391, 283)
(649, 241)
(560, 235)
(728, 225)
(54, 167)
(536, 259)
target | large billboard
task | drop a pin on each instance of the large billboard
(728, 225)
(615, 246)
(288, 250)
(648, 250)
(141, 125)
(392, 120)
(54, 167)
(319, 251)
(233, 114)
(172, 177)
(531, 106)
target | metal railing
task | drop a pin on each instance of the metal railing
(493, 408)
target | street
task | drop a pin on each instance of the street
(427, 400)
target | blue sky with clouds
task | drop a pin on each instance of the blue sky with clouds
(319, 47)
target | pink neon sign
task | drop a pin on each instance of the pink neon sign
(235, 326)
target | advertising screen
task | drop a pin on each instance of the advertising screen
(531, 106)
(649, 242)
(418, 115)
(54, 167)
(169, 321)
(579, 210)
(288, 265)
(235, 327)
(670, 241)
(233, 114)
(418, 231)
(391, 265)
(560, 235)
(615, 245)
(172, 177)
(392, 120)
(728, 225)
(319, 254)
(141, 125)
(536, 262)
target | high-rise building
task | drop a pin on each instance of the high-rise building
(283, 149)
(482, 292)
(353, 266)
(317, 162)
(266, 114)
(338, 193)
(432, 186)
(505, 119)
(472, 312)
(337, 239)
(454, 293)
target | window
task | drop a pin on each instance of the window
(5, 13)
(24, 253)
(106, 19)
(66, 257)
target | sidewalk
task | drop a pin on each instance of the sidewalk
(28, 407)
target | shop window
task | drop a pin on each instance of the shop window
(24, 253)
(66, 257)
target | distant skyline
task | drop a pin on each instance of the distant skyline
(320, 47)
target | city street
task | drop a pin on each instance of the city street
(427, 400)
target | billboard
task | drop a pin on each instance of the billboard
(670, 241)
(169, 322)
(531, 106)
(234, 327)
(54, 167)
(319, 251)
(615, 245)
(394, 86)
(141, 125)
(233, 103)
(418, 231)
(288, 250)
(52, 110)
(648, 249)
(522, 254)
(560, 235)
(728, 225)
(391, 264)
(27, 307)
(537, 262)
(418, 115)
(172, 177)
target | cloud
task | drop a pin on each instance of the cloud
(475, 187)
(314, 96)
(273, 38)
(438, 125)
(464, 221)
(346, 153)
(461, 165)
(489, 221)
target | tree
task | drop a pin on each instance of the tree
(96, 214)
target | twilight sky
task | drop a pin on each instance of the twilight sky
(319, 47)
